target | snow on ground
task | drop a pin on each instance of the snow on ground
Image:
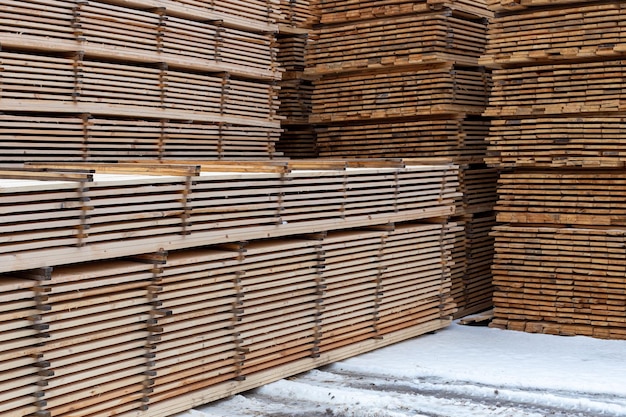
(460, 371)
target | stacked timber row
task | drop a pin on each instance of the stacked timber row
(401, 79)
(298, 136)
(110, 80)
(143, 290)
(558, 100)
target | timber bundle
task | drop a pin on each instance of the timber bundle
(296, 90)
(185, 76)
(146, 290)
(401, 78)
(557, 96)
(158, 251)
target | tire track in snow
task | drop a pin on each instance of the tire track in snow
(333, 392)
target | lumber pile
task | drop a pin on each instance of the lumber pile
(401, 78)
(188, 77)
(298, 137)
(463, 139)
(127, 208)
(298, 14)
(21, 364)
(560, 280)
(200, 281)
(557, 98)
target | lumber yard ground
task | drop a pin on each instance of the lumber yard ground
(461, 371)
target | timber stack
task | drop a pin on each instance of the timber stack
(558, 99)
(298, 136)
(401, 78)
(158, 252)
(143, 290)
(157, 79)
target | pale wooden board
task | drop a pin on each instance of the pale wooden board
(19, 347)
(235, 310)
(204, 395)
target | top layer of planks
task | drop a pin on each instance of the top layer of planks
(591, 30)
(395, 41)
(121, 208)
(340, 11)
(186, 37)
(515, 5)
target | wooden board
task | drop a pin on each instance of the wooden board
(29, 77)
(261, 10)
(97, 326)
(472, 286)
(147, 31)
(298, 13)
(134, 333)
(516, 5)
(39, 138)
(477, 184)
(560, 281)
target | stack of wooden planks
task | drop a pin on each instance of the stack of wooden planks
(21, 363)
(126, 208)
(39, 137)
(591, 141)
(308, 264)
(95, 356)
(558, 75)
(298, 136)
(463, 139)
(561, 280)
(336, 11)
(194, 74)
(298, 14)
(401, 78)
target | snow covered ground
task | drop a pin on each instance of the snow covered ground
(461, 371)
